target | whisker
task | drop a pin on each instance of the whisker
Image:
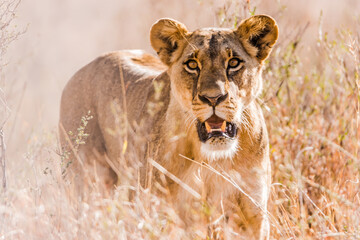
(245, 123)
(190, 124)
(190, 119)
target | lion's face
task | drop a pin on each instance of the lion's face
(215, 74)
(213, 80)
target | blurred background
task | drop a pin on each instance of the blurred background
(311, 103)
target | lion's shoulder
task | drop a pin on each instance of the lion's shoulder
(135, 61)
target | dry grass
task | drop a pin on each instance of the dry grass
(311, 102)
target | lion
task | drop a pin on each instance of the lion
(196, 111)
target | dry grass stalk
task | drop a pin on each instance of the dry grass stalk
(312, 102)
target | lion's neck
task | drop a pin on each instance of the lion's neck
(178, 135)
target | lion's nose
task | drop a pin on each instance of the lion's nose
(213, 100)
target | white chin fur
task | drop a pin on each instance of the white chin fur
(218, 150)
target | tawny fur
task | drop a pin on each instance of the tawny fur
(157, 105)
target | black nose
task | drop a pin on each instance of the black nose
(213, 101)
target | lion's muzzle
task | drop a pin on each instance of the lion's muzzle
(215, 127)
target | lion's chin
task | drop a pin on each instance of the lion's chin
(219, 149)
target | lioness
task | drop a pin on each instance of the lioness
(196, 108)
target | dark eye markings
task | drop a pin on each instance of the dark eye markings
(191, 66)
(234, 64)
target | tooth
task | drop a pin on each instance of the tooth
(216, 130)
(208, 128)
(223, 126)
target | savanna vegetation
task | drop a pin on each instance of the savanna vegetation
(311, 102)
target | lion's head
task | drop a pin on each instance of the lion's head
(215, 74)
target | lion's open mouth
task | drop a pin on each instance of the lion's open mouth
(215, 127)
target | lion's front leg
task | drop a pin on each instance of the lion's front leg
(253, 219)
(252, 215)
(256, 226)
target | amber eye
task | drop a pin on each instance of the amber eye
(192, 64)
(233, 63)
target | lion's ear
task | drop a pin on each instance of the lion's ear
(166, 37)
(258, 35)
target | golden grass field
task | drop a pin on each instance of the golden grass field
(311, 101)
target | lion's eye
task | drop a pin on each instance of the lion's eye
(192, 65)
(234, 64)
